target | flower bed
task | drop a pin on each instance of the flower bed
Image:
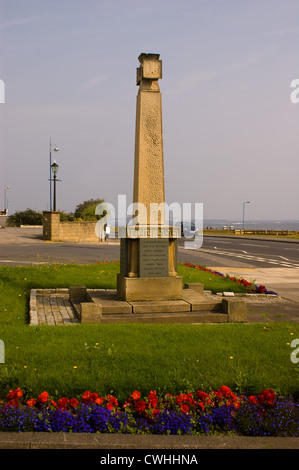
(197, 413)
(249, 286)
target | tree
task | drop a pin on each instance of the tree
(86, 210)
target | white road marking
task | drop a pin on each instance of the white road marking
(253, 258)
(253, 244)
(23, 261)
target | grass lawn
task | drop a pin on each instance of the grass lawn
(118, 359)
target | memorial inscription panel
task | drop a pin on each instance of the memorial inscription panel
(153, 257)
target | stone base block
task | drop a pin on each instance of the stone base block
(90, 313)
(235, 309)
(149, 288)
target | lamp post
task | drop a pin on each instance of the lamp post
(54, 168)
(5, 200)
(247, 202)
(55, 150)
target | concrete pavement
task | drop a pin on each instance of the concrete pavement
(44, 440)
(19, 236)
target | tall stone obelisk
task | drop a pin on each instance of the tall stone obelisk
(149, 162)
(148, 249)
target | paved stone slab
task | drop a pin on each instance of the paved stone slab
(51, 307)
(161, 306)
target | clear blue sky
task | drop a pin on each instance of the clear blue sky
(230, 130)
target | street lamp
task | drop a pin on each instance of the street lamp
(247, 202)
(54, 168)
(55, 150)
(5, 200)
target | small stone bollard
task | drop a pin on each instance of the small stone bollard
(78, 293)
(236, 310)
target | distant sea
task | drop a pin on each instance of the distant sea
(253, 224)
(249, 224)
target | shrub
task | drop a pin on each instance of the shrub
(27, 217)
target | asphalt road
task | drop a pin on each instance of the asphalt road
(25, 246)
(237, 252)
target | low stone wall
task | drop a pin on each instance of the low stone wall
(3, 219)
(57, 231)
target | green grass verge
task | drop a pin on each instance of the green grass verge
(66, 361)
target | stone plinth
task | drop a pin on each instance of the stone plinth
(148, 265)
(149, 288)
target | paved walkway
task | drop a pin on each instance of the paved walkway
(51, 307)
(44, 440)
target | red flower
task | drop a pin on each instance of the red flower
(13, 402)
(112, 401)
(252, 400)
(140, 405)
(86, 397)
(267, 397)
(201, 405)
(93, 397)
(153, 399)
(31, 402)
(99, 400)
(63, 403)
(184, 408)
(43, 397)
(202, 395)
(136, 395)
(15, 394)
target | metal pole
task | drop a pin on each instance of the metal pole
(50, 176)
(6, 199)
(247, 202)
(54, 197)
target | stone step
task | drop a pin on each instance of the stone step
(161, 306)
(199, 301)
(182, 317)
(109, 302)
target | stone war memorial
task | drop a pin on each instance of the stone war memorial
(148, 286)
